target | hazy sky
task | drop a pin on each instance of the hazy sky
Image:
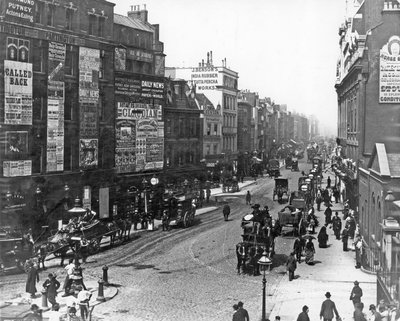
(283, 49)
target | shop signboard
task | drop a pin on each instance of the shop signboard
(389, 76)
(17, 93)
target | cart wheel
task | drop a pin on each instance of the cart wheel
(186, 222)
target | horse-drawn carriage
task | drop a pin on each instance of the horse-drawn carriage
(274, 168)
(292, 218)
(181, 211)
(259, 233)
(281, 188)
(14, 252)
(230, 185)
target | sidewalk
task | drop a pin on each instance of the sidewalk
(109, 293)
(333, 272)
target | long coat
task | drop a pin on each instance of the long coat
(327, 309)
(33, 277)
(303, 316)
(51, 287)
(356, 294)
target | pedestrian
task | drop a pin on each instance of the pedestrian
(35, 314)
(345, 238)
(328, 216)
(51, 286)
(318, 200)
(32, 278)
(351, 225)
(201, 197)
(336, 194)
(328, 181)
(83, 298)
(303, 316)
(208, 194)
(337, 225)
(328, 308)
(165, 221)
(358, 313)
(374, 315)
(68, 280)
(235, 316)
(383, 311)
(323, 237)
(277, 318)
(356, 293)
(54, 314)
(358, 249)
(248, 198)
(298, 247)
(243, 314)
(291, 265)
(72, 315)
(309, 252)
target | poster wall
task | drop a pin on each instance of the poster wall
(389, 76)
(89, 66)
(17, 93)
(55, 108)
(16, 143)
(17, 168)
(139, 142)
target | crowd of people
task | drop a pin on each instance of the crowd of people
(74, 288)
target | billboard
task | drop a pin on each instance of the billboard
(17, 168)
(89, 67)
(17, 93)
(55, 108)
(139, 140)
(19, 11)
(389, 75)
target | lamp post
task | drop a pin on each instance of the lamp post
(144, 184)
(264, 263)
(311, 176)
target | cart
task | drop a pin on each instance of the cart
(274, 168)
(288, 162)
(181, 212)
(281, 188)
(13, 253)
(290, 218)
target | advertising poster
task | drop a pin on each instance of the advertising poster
(159, 69)
(19, 11)
(89, 66)
(17, 93)
(104, 202)
(16, 143)
(88, 153)
(127, 87)
(120, 59)
(389, 76)
(152, 89)
(55, 108)
(17, 168)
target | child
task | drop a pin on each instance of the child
(51, 286)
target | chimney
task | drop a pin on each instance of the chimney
(202, 62)
(208, 58)
(199, 64)
(211, 63)
(137, 13)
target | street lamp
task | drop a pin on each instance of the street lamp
(264, 263)
(144, 184)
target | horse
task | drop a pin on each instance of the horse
(242, 257)
(124, 229)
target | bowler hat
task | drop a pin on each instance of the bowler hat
(240, 304)
(356, 283)
(372, 307)
(328, 294)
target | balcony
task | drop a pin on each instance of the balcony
(229, 130)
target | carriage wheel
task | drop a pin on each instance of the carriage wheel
(186, 222)
(94, 246)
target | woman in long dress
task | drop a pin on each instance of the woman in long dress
(309, 251)
(33, 277)
(323, 237)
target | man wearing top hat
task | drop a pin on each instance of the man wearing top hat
(356, 293)
(328, 307)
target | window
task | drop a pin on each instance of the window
(208, 149)
(39, 9)
(12, 49)
(92, 24)
(39, 58)
(70, 61)
(215, 149)
(102, 64)
(50, 15)
(17, 49)
(100, 27)
(215, 129)
(69, 15)
(208, 129)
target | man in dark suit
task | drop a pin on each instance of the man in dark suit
(356, 293)
(242, 312)
(328, 307)
(303, 316)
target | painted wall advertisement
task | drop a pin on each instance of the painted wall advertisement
(55, 108)
(89, 66)
(139, 142)
(17, 93)
(389, 76)
(205, 78)
(19, 11)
